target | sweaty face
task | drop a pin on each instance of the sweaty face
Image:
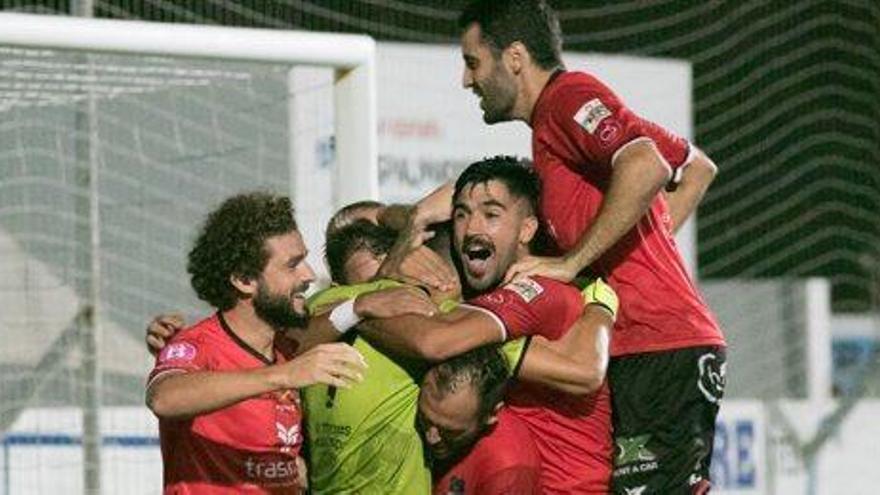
(448, 420)
(487, 77)
(280, 297)
(489, 227)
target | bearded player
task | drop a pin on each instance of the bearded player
(603, 170)
(225, 394)
(494, 223)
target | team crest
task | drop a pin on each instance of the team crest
(178, 351)
(591, 115)
(526, 288)
(289, 437)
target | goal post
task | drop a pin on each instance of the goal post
(352, 57)
(114, 142)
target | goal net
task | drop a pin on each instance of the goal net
(109, 162)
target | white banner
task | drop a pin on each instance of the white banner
(739, 454)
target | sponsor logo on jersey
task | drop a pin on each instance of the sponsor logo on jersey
(178, 351)
(591, 115)
(633, 456)
(609, 132)
(289, 437)
(526, 288)
(639, 490)
(634, 449)
(266, 471)
(712, 377)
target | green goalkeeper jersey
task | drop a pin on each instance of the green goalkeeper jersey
(363, 439)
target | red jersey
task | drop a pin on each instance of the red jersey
(504, 462)
(249, 447)
(578, 126)
(572, 434)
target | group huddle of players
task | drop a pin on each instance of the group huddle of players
(472, 342)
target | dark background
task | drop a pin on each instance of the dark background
(786, 100)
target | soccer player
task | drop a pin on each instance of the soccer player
(477, 446)
(363, 438)
(226, 396)
(603, 170)
(494, 221)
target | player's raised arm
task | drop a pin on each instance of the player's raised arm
(436, 207)
(577, 362)
(685, 194)
(639, 174)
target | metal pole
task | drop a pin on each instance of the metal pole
(88, 207)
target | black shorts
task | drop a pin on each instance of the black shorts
(664, 406)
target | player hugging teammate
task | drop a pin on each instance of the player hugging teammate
(505, 391)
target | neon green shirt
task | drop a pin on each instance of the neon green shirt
(363, 439)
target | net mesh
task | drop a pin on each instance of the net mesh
(785, 101)
(170, 139)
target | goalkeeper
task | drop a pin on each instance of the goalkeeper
(344, 424)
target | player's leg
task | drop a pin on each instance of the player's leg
(664, 410)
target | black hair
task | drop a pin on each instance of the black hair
(515, 173)
(348, 214)
(531, 22)
(483, 368)
(361, 234)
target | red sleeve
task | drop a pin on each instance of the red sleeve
(595, 125)
(533, 306)
(182, 353)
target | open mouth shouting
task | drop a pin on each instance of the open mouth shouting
(476, 255)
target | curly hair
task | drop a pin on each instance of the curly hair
(232, 242)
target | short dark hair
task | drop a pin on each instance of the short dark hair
(531, 22)
(484, 368)
(361, 234)
(515, 173)
(347, 214)
(232, 242)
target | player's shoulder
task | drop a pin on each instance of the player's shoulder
(204, 331)
(533, 288)
(573, 86)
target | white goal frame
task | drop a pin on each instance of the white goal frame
(356, 177)
(352, 56)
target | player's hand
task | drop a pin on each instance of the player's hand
(395, 301)
(302, 474)
(336, 365)
(435, 207)
(161, 329)
(556, 268)
(420, 266)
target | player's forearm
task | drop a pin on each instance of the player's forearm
(435, 207)
(638, 176)
(575, 364)
(184, 395)
(430, 339)
(685, 198)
